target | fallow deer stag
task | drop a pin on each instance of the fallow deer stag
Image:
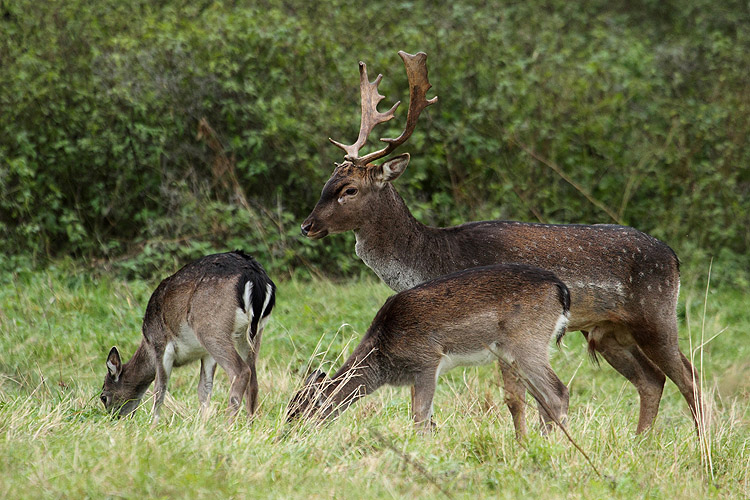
(623, 283)
(213, 309)
(505, 312)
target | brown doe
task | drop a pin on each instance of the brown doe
(505, 313)
(213, 309)
(623, 283)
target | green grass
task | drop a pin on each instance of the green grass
(56, 442)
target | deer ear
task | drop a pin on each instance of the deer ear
(315, 377)
(114, 364)
(392, 169)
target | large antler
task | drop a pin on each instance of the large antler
(416, 72)
(370, 114)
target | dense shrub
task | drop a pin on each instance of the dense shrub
(633, 112)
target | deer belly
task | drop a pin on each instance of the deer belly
(451, 360)
(185, 347)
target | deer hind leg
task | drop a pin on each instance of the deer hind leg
(557, 393)
(206, 382)
(664, 352)
(413, 393)
(515, 398)
(240, 374)
(251, 392)
(617, 347)
(698, 409)
(248, 351)
(423, 394)
(548, 390)
(252, 359)
(238, 371)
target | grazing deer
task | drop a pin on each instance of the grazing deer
(623, 283)
(473, 317)
(213, 309)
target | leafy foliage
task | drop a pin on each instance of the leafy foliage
(632, 112)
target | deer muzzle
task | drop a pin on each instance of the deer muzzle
(310, 231)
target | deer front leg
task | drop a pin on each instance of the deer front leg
(164, 362)
(423, 394)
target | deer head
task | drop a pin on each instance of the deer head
(124, 384)
(311, 399)
(356, 184)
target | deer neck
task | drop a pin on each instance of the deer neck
(140, 371)
(358, 377)
(392, 241)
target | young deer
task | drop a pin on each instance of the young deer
(502, 312)
(213, 309)
(623, 283)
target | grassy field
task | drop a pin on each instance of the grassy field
(56, 442)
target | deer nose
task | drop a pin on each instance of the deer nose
(305, 227)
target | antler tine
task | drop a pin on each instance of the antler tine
(370, 114)
(416, 72)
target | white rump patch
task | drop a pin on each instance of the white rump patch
(561, 325)
(262, 324)
(246, 297)
(243, 319)
(269, 291)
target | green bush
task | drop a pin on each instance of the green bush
(636, 113)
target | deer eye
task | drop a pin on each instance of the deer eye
(347, 193)
(103, 398)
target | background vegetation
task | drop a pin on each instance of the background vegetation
(636, 112)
